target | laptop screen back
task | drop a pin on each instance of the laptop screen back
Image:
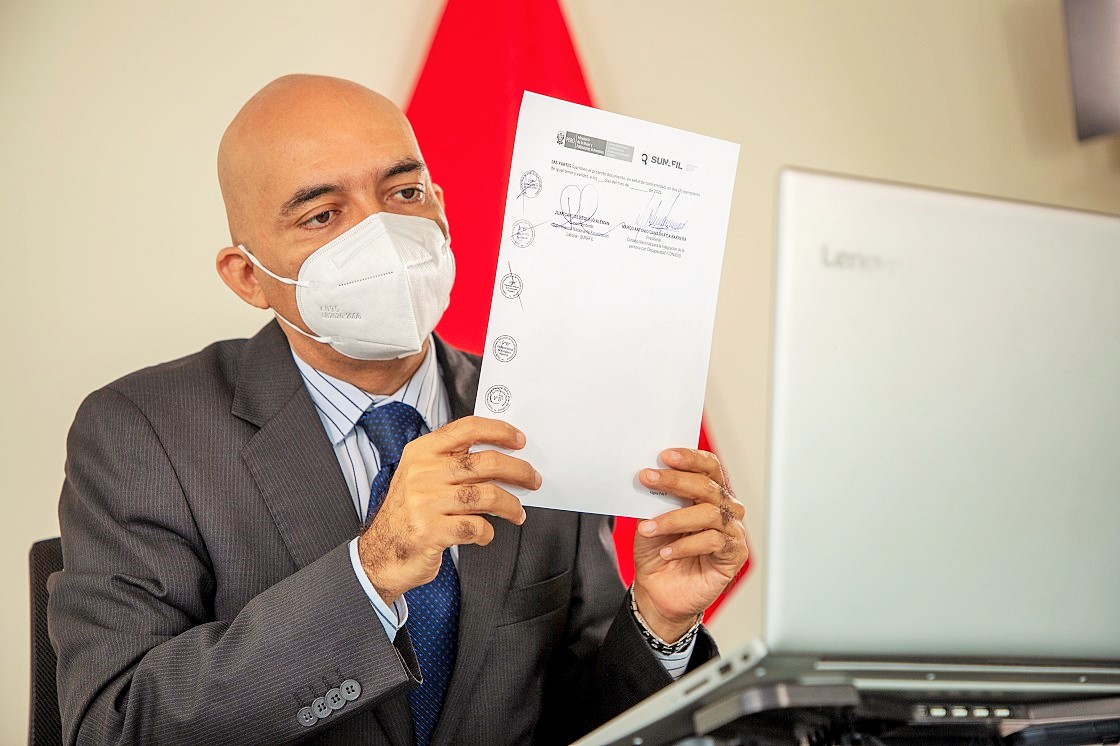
(945, 446)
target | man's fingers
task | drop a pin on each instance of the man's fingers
(683, 484)
(697, 461)
(694, 486)
(459, 435)
(700, 545)
(468, 529)
(485, 466)
(486, 499)
(690, 520)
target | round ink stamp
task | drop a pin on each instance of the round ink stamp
(531, 184)
(505, 348)
(522, 233)
(497, 399)
(511, 285)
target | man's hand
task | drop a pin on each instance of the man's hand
(438, 497)
(684, 559)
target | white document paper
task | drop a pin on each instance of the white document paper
(601, 322)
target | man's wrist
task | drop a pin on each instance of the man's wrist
(372, 565)
(391, 615)
(664, 635)
(386, 596)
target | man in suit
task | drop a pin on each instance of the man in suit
(290, 538)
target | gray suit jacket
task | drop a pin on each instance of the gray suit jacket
(208, 593)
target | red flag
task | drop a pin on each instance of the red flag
(485, 53)
(464, 111)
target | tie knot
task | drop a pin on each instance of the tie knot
(390, 427)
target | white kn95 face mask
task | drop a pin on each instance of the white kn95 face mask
(377, 291)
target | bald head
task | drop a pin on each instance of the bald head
(306, 159)
(282, 131)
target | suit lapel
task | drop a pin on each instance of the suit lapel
(484, 572)
(297, 472)
(460, 377)
(290, 457)
(484, 578)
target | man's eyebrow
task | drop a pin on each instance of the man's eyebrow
(403, 166)
(305, 195)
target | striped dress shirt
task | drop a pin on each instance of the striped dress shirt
(340, 405)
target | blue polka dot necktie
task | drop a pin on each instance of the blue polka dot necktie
(433, 609)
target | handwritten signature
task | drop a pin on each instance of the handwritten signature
(578, 207)
(661, 222)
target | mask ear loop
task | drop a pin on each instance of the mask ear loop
(286, 281)
(267, 271)
(323, 340)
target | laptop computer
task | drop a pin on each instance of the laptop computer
(944, 486)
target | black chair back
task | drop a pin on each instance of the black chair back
(45, 725)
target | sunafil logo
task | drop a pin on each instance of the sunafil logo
(857, 261)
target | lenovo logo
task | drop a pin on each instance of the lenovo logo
(857, 261)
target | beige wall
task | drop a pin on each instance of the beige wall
(110, 114)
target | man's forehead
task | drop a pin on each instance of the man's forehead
(311, 142)
(344, 154)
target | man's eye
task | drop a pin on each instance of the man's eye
(411, 194)
(318, 221)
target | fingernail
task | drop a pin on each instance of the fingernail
(524, 515)
(519, 439)
(537, 479)
(666, 552)
(648, 527)
(652, 475)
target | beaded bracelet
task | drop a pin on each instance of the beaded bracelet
(656, 642)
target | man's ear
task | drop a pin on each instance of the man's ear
(236, 272)
(438, 191)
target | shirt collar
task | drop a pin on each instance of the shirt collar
(341, 404)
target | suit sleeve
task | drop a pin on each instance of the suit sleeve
(141, 658)
(608, 666)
